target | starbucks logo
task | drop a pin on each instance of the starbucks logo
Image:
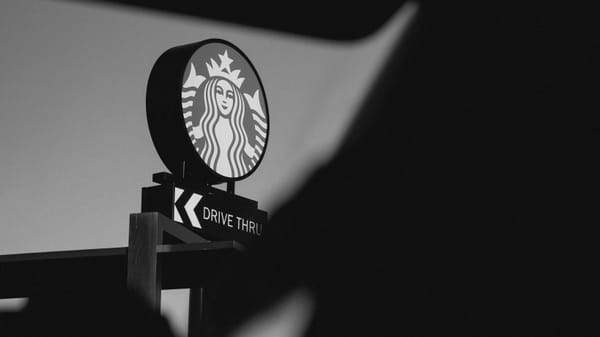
(224, 110)
(207, 112)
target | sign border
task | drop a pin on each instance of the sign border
(167, 129)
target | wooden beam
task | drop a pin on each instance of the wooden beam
(143, 267)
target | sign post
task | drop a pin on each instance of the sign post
(209, 121)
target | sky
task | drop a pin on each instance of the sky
(75, 149)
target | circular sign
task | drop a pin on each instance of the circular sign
(207, 112)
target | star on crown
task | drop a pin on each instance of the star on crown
(224, 69)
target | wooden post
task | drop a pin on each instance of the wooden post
(146, 233)
(143, 267)
(195, 311)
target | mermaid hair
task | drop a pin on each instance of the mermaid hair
(211, 151)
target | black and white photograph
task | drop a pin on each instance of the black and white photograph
(299, 169)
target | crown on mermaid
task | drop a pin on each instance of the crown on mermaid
(224, 70)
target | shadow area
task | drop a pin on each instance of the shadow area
(462, 200)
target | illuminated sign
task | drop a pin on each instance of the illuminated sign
(207, 112)
(209, 121)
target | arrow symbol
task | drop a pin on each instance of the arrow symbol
(176, 215)
(189, 207)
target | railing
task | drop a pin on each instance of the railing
(150, 263)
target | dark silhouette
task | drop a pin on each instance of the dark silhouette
(85, 311)
(456, 205)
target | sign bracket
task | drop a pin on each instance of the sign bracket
(231, 187)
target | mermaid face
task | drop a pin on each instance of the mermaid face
(224, 95)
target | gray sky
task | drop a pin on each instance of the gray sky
(75, 150)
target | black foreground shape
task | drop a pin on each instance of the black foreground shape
(474, 213)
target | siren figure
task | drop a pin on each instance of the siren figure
(221, 126)
(223, 140)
